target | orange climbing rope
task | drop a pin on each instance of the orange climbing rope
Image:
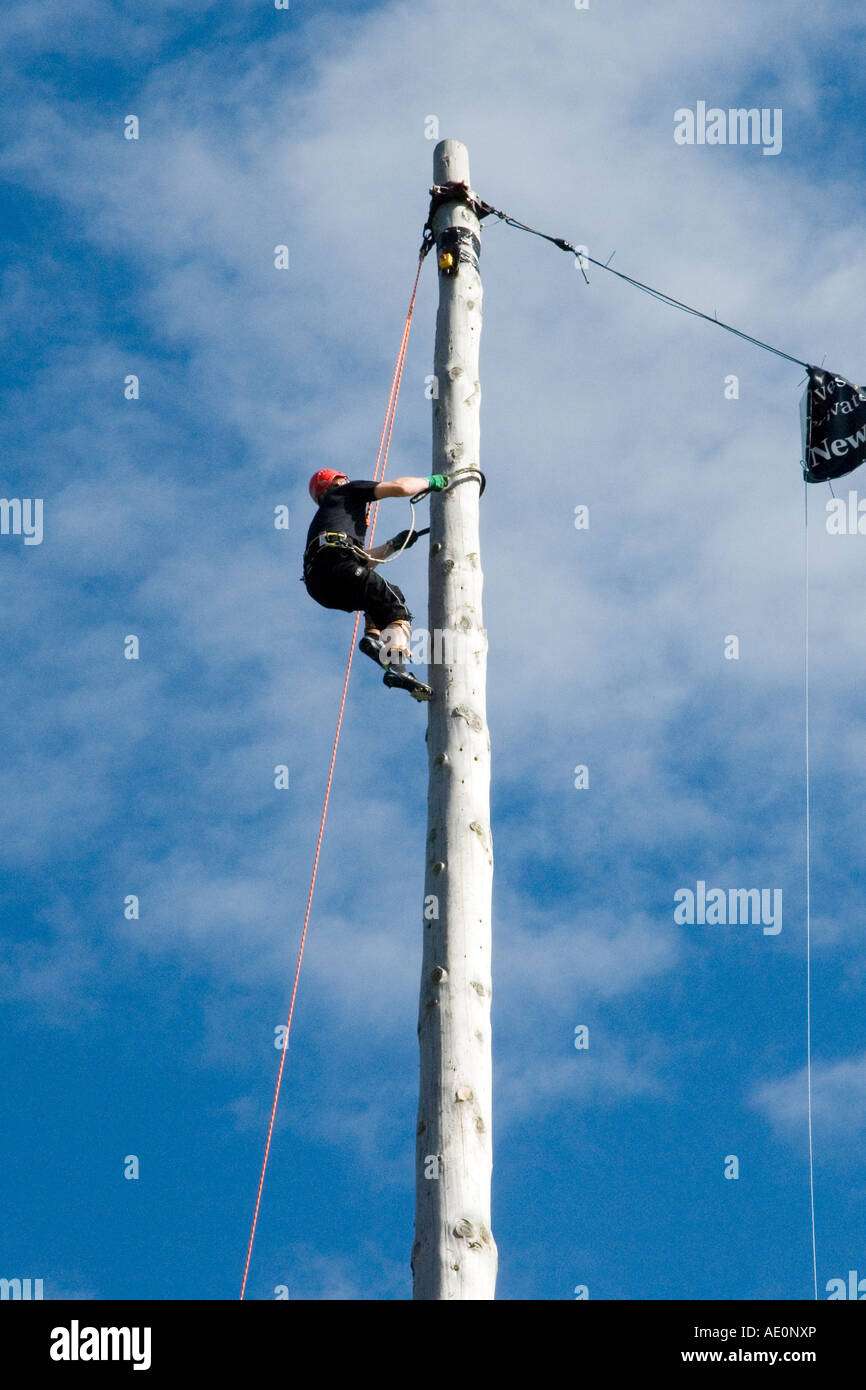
(378, 474)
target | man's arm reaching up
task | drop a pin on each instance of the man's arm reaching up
(401, 487)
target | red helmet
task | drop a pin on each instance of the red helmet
(321, 481)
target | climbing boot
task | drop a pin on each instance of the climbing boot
(399, 678)
(372, 645)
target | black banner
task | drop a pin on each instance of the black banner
(834, 426)
(54, 1342)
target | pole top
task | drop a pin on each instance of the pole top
(451, 163)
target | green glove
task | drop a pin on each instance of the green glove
(403, 541)
(437, 482)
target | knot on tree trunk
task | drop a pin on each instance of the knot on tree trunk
(472, 719)
(474, 1233)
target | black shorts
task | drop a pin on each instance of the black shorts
(336, 578)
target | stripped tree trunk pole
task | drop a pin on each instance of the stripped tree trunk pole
(454, 1256)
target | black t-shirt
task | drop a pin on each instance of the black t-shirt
(344, 508)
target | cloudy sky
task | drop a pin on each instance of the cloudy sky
(154, 1037)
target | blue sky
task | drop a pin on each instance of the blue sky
(155, 777)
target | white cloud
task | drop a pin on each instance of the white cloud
(838, 1105)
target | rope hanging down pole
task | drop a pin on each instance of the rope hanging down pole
(486, 210)
(378, 474)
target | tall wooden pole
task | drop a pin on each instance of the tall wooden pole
(454, 1256)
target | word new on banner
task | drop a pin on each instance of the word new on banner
(833, 413)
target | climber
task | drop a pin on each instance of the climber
(340, 573)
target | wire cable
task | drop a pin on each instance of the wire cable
(808, 824)
(668, 299)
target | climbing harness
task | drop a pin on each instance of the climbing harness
(331, 540)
